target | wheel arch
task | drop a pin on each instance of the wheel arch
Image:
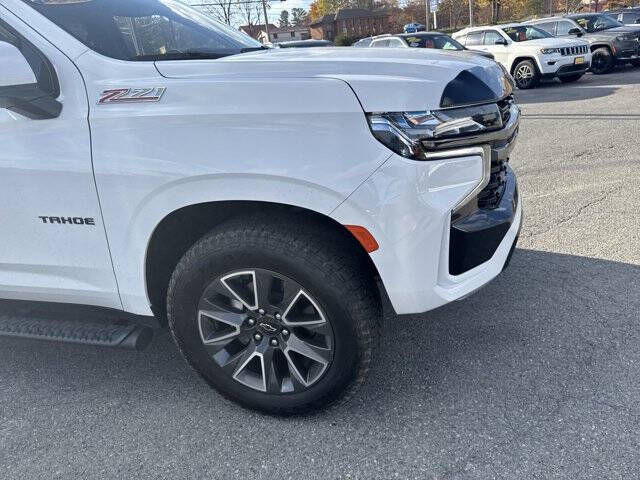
(595, 46)
(519, 59)
(183, 227)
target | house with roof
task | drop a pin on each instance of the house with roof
(284, 34)
(352, 22)
(255, 30)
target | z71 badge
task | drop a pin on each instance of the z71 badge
(130, 95)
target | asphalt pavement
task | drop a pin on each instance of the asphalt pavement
(535, 376)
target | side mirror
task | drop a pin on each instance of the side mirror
(15, 68)
(575, 31)
(502, 41)
(21, 91)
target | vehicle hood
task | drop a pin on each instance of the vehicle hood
(469, 52)
(384, 79)
(625, 28)
(613, 32)
(553, 42)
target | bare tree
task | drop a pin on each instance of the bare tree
(251, 15)
(222, 10)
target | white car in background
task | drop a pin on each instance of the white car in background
(529, 53)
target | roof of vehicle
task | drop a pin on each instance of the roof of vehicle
(419, 34)
(305, 43)
(485, 27)
(622, 10)
(586, 14)
(546, 18)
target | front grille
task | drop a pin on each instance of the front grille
(580, 50)
(491, 195)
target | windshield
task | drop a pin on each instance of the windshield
(145, 29)
(365, 42)
(596, 23)
(441, 42)
(525, 32)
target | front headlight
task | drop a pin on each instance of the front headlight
(507, 76)
(404, 132)
(549, 51)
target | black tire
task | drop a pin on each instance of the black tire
(602, 61)
(526, 75)
(636, 62)
(326, 265)
(571, 78)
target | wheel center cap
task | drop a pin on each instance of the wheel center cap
(268, 327)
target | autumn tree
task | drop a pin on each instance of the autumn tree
(318, 8)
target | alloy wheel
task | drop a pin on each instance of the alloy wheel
(599, 63)
(524, 74)
(265, 331)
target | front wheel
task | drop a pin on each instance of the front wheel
(571, 78)
(526, 75)
(602, 61)
(275, 316)
(636, 62)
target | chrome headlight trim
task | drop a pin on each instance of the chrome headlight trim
(410, 134)
(484, 152)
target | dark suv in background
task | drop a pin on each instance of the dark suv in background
(611, 42)
(626, 16)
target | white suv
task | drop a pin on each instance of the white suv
(158, 164)
(529, 53)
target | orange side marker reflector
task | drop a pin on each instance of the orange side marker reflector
(364, 237)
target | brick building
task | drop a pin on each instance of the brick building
(352, 22)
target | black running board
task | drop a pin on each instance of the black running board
(57, 325)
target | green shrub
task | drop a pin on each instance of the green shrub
(343, 41)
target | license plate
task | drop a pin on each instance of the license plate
(578, 60)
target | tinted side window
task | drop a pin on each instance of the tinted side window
(380, 43)
(630, 17)
(564, 27)
(144, 29)
(157, 35)
(491, 37)
(474, 39)
(549, 27)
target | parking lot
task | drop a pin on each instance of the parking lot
(535, 376)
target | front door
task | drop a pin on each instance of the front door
(53, 245)
(496, 44)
